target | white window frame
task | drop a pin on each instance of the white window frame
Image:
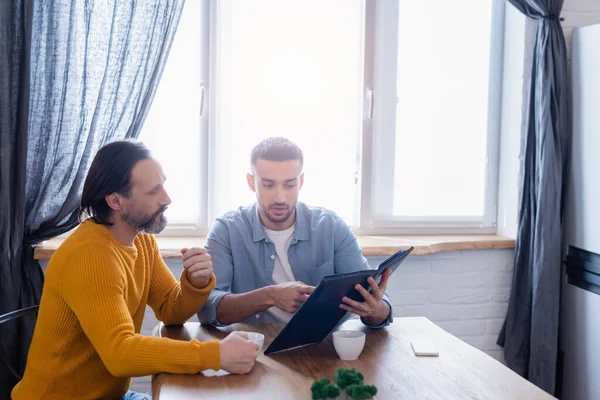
(207, 31)
(211, 8)
(379, 131)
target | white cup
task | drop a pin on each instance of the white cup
(257, 338)
(348, 344)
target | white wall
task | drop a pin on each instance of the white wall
(578, 13)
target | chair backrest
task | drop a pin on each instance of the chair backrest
(9, 317)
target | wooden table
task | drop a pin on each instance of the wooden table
(387, 361)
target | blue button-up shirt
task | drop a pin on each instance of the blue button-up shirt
(243, 256)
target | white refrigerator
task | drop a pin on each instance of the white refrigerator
(580, 297)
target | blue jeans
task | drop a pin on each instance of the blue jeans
(136, 396)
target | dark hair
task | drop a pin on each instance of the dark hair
(276, 149)
(110, 173)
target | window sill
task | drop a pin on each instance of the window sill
(373, 246)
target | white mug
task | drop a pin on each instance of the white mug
(348, 344)
(257, 338)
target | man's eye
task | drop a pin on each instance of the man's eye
(291, 185)
(268, 186)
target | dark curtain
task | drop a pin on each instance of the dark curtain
(530, 332)
(18, 287)
(74, 76)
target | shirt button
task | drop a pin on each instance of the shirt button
(257, 316)
(272, 256)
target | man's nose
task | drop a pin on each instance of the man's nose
(280, 195)
(166, 199)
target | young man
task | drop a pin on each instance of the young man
(268, 257)
(87, 341)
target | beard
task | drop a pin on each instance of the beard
(144, 223)
(278, 219)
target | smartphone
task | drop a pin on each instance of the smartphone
(424, 348)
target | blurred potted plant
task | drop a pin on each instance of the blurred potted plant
(349, 384)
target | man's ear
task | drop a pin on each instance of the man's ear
(114, 201)
(301, 181)
(250, 180)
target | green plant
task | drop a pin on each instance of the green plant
(323, 389)
(361, 392)
(346, 379)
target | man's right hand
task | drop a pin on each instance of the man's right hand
(238, 354)
(289, 296)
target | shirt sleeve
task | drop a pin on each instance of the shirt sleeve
(92, 285)
(349, 258)
(173, 302)
(218, 246)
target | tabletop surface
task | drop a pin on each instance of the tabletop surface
(387, 361)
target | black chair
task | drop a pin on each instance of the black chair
(9, 317)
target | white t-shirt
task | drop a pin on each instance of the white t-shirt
(282, 271)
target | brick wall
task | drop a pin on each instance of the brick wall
(464, 292)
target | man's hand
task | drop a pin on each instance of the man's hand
(289, 296)
(198, 266)
(373, 308)
(238, 354)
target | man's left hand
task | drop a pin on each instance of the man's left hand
(373, 308)
(198, 266)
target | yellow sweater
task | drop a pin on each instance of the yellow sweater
(86, 343)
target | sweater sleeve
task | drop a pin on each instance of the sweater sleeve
(92, 285)
(173, 302)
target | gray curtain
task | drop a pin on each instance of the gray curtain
(74, 77)
(18, 287)
(530, 332)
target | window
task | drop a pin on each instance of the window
(394, 104)
(436, 80)
(173, 130)
(304, 84)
